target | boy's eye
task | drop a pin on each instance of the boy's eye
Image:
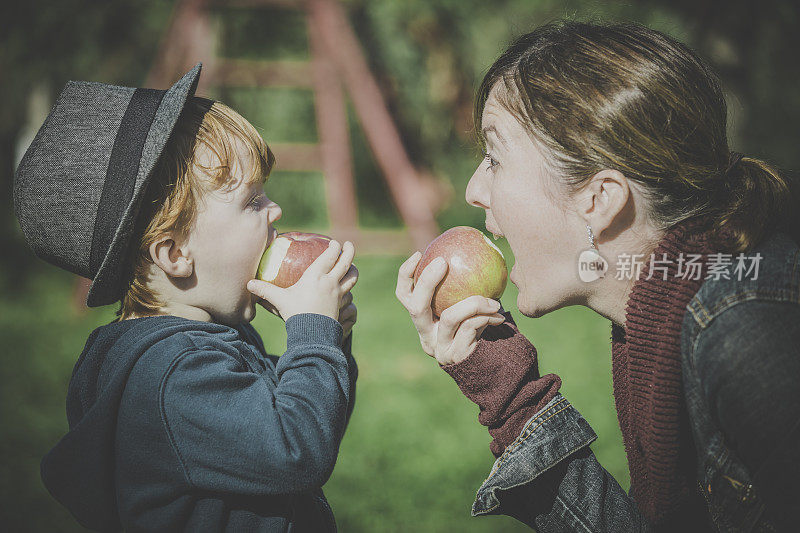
(256, 200)
(492, 162)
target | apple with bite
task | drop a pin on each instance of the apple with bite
(289, 255)
(475, 267)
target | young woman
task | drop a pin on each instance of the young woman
(608, 171)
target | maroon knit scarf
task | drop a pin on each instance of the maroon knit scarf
(646, 366)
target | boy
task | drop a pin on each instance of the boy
(178, 418)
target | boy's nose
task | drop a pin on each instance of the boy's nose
(275, 212)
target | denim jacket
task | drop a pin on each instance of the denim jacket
(740, 347)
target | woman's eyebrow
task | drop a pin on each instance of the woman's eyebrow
(492, 129)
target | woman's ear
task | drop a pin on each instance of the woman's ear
(602, 202)
(172, 258)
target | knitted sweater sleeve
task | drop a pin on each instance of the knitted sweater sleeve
(502, 377)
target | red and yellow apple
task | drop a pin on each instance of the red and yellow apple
(289, 255)
(475, 267)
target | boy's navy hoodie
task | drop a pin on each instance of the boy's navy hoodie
(178, 424)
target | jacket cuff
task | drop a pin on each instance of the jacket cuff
(502, 377)
(549, 437)
(311, 328)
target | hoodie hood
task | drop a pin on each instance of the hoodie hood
(79, 470)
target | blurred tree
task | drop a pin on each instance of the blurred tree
(753, 46)
(430, 55)
(44, 44)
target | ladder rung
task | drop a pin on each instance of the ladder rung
(249, 73)
(383, 242)
(290, 4)
(297, 156)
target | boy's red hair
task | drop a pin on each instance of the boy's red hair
(180, 180)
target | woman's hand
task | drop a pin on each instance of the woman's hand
(455, 335)
(321, 289)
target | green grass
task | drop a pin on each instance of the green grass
(414, 453)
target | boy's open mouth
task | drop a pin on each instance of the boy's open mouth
(270, 237)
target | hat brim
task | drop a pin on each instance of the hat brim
(106, 287)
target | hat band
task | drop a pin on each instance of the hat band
(123, 168)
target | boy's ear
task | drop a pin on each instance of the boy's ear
(172, 258)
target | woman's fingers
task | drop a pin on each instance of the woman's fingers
(405, 277)
(467, 333)
(466, 337)
(344, 262)
(453, 316)
(419, 304)
(413, 299)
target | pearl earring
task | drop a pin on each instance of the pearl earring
(591, 265)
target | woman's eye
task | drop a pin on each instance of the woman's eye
(492, 162)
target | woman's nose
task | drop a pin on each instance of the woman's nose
(477, 192)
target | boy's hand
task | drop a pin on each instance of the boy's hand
(455, 335)
(319, 290)
(348, 314)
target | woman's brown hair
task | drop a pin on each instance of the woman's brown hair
(626, 97)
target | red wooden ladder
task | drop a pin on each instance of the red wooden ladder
(337, 64)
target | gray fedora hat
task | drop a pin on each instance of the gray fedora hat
(80, 184)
